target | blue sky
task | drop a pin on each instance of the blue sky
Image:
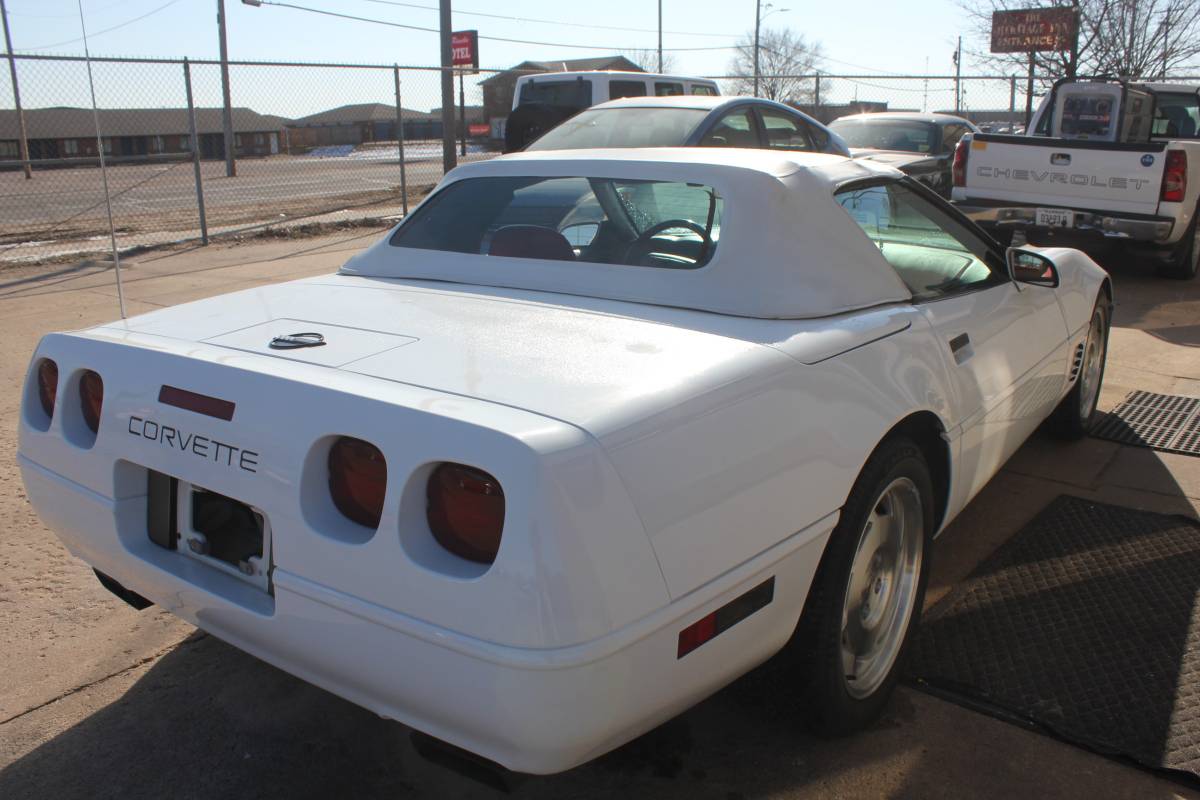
(894, 38)
(897, 37)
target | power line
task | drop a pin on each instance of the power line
(106, 30)
(550, 21)
(489, 38)
(71, 15)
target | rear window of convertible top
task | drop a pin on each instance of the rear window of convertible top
(605, 220)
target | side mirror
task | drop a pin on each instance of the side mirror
(1026, 266)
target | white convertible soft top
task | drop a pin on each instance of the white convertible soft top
(787, 250)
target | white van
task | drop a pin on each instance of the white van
(583, 89)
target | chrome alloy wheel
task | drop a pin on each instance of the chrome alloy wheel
(882, 588)
(1093, 366)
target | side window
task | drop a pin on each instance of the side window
(626, 89)
(950, 136)
(703, 89)
(932, 252)
(662, 89)
(784, 132)
(735, 129)
(1177, 115)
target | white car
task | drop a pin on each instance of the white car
(582, 440)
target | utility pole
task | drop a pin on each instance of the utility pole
(12, 68)
(462, 117)
(449, 159)
(757, 25)
(958, 77)
(227, 110)
(660, 37)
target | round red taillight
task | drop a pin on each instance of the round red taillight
(466, 511)
(47, 384)
(91, 398)
(357, 480)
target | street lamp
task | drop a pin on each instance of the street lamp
(758, 18)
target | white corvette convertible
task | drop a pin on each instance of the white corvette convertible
(583, 439)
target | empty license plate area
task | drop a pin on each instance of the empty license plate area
(1055, 217)
(224, 533)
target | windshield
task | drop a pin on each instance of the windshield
(623, 127)
(909, 136)
(576, 93)
(611, 221)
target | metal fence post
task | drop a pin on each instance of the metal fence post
(817, 95)
(400, 143)
(16, 90)
(187, 80)
(1012, 97)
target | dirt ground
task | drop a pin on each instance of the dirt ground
(97, 699)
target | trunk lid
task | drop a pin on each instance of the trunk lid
(581, 365)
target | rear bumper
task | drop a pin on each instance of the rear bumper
(1155, 230)
(530, 710)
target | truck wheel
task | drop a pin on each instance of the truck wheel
(866, 599)
(1073, 417)
(1182, 263)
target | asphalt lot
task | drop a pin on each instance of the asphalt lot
(61, 209)
(97, 699)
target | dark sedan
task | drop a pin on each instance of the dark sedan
(692, 121)
(921, 145)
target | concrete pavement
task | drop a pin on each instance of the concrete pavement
(97, 699)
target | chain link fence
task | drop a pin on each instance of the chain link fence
(316, 147)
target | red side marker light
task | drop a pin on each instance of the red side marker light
(725, 617)
(697, 634)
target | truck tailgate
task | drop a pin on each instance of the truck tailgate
(1039, 171)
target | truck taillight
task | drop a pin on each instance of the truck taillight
(1174, 185)
(960, 163)
(47, 385)
(465, 511)
(357, 480)
(91, 398)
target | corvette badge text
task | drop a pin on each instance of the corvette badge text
(202, 446)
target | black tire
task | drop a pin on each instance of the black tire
(1185, 256)
(831, 707)
(1071, 420)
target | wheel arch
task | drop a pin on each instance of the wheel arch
(925, 429)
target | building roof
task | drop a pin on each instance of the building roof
(567, 65)
(77, 123)
(356, 114)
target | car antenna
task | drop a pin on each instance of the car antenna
(112, 231)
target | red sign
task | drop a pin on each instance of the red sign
(464, 49)
(479, 129)
(1033, 30)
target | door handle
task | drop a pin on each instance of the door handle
(960, 347)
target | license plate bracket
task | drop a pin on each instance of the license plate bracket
(223, 533)
(1054, 218)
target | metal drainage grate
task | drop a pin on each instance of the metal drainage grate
(1160, 421)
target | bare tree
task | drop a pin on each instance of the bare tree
(786, 65)
(1134, 38)
(647, 59)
